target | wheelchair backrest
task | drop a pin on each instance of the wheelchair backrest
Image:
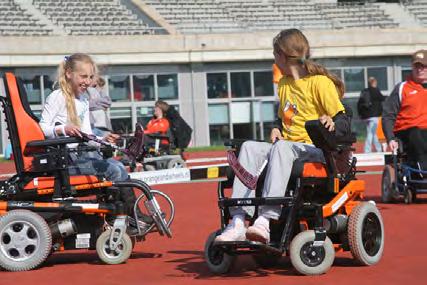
(22, 124)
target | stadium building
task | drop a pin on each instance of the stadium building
(212, 59)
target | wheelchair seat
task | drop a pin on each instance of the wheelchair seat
(37, 160)
(309, 169)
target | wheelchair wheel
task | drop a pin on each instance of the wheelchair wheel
(176, 163)
(149, 167)
(308, 259)
(218, 261)
(166, 206)
(267, 260)
(366, 234)
(116, 256)
(25, 240)
(387, 184)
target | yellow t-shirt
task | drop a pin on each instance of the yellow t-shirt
(305, 99)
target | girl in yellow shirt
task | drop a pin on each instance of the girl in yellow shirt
(307, 91)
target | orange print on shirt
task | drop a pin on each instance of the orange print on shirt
(289, 111)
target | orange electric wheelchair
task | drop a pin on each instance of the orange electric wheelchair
(321, 213)
(44, 209)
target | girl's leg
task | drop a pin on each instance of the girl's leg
(252, 155)
(282, 157)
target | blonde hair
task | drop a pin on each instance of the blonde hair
(295, 47)
(70, 64)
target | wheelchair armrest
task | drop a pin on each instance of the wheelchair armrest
(39, 145)
(158, 136)
(53, 142)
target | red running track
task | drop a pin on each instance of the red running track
(179, 260)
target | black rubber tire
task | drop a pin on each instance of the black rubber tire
(37, 236)
(387, 184)
(218, 261)
(119, 256)
(366, 234)
(266, 260)
(176, 163)
(299, 255)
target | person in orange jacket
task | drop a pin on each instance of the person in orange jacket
(158, 125)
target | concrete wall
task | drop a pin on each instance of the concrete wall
(160, 49)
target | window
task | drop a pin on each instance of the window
(119, 89)
(406, 72)
(144, 114)
(242, 119)
(143, 88)
(217, 85)
(354, 79)
(263, 82)
(337, 72)
(167, 86)
(32, 87)
(240, 84)
(121, 120)
(219, 129)
(380, 73)
(48, 85)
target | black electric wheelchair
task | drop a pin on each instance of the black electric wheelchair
(404, 176)
(44, 209)
(321, 213)
(156, 154)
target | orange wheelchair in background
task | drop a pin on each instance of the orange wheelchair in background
(33, 225)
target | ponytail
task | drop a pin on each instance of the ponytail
(314, 68)
(67, 92)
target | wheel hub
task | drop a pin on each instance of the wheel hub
(312, 255)
(371, 234)
(19, 240)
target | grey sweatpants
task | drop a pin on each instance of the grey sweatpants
(281, 156)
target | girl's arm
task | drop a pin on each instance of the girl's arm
(49, 115)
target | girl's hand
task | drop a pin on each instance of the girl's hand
(111, 138)
(275, 135)
(72, 131)
(327, 122)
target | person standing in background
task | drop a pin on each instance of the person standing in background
(99, 103)
(369, 108)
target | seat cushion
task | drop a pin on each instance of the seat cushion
(309, 169)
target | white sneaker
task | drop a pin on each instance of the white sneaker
(232, 233)
(260, 231)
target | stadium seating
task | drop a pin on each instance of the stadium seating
(14, 21)
(201, 16)
(80, 17)
(122, 17)
(418, 9)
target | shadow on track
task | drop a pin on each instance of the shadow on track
(89, 257)
(193, 265)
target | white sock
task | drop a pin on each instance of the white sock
(238, 221)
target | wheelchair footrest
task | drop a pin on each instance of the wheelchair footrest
(229, 202)
(247, 247)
